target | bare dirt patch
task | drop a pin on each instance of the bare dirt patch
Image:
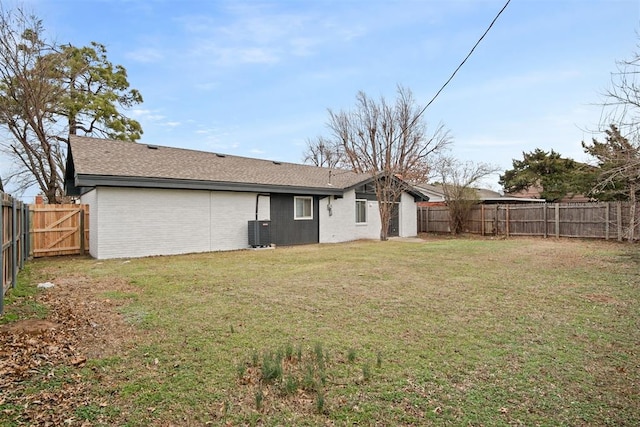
(606, 299)
(81, 324)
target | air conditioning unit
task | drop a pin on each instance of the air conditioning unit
(259, 233)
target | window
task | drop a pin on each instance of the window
(303, 208)
(361, 211)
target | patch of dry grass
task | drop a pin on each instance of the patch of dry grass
(477, 331)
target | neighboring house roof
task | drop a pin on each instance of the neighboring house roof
(103, 162)
(436, 194)
(535, 191)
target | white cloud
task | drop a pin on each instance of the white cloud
(303, 46)
(259, 34)
(142, 114)
(145, 55)
(249, 55)
(207, 86)
(513, 85)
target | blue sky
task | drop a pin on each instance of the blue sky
(255, 78)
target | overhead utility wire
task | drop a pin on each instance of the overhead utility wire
(461, 64)
(451, 77)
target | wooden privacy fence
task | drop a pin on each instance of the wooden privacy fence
(59, 229)
(609, 220)
(14, 216)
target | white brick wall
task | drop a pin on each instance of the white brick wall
(144, 222)
(230, 214)
(341, 225)
(372, 229)
(408, 216)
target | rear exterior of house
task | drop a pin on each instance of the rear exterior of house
(148, 200)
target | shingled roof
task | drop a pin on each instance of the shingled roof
(93, 161)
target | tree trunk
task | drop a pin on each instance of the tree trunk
(633, 210)
(385, 213)
(382, 191)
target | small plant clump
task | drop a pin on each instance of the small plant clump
(319, 353)
(366, 372)
(259, 397)
(241, 369)
(290, 385)
(309, 380)
(271, 367)
(288, 351)
(289, 371)
(320, 402)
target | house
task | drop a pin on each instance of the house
(151, 200)
(435, 193)
(535, 192)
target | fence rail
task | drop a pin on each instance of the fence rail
(608, 220)
(14, 236)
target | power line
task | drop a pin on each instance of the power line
(413, 122)
(461, 64)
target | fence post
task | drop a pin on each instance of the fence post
(23, 238)
(20, 236)
(2, 252)
(14, 242)
(544, 219)
(557, 219)
(81, 231)
(507, 219)
(606, 220)
(27, 221)
(426, 221)
(619, 215)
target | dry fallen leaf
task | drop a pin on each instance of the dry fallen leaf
(35, 354)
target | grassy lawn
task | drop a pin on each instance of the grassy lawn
(440, 332)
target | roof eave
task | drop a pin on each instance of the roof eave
(89, 181)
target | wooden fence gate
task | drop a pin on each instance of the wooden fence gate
(59, 229)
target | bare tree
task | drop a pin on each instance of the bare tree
(26, 92)
(618, 157)
(618, 161)
(622, 100)
(459, 181)
(50, 91)
(324, 152)
(390, 142)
